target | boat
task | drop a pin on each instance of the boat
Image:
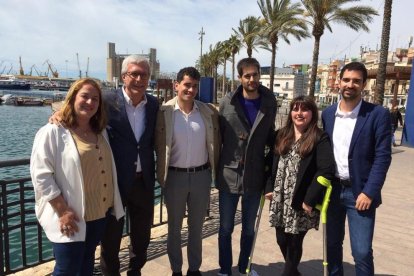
(26, 101)
(13, 84)
(9, 99)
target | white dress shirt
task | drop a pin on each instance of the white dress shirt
(136, 117)
(342, 135)
(189, 145)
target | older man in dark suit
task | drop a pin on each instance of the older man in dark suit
(132, 116)
(361, 136)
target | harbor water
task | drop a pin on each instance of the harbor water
(18, 126)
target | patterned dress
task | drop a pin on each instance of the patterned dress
(282, 215)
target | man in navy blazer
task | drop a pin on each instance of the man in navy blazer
(131, 125)
(361, 136)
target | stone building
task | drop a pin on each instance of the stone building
(114, 63)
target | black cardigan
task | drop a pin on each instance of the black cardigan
(320, 162)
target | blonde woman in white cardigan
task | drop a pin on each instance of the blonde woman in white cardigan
(74, 179)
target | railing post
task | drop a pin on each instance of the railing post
(1, 229)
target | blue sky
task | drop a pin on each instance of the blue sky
(55, 30)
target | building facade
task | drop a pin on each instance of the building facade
(114, 63)
(288, 82)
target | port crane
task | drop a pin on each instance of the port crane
(79, 68)
(87, 68)
(11, 68)
(54, 72)
(80, 72)
(35, 68)
(21, 66)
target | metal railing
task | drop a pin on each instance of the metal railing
(23, 243)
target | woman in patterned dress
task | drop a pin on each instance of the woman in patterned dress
(302, 153)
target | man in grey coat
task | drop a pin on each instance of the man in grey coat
(247, 118)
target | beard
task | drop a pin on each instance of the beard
(352, 94)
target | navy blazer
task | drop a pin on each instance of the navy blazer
(125, 147)
(370, 150)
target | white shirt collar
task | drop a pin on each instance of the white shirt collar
(129, 101)
(177, 107)
(351, 114)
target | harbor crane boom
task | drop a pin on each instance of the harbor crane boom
(54, 72)
(87, 68)
(11, 68)
(80, 72)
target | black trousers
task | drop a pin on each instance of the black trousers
(139, 203)
(291, 247)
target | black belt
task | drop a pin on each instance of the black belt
(190, 170)
(344, 182)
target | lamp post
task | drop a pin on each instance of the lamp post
(201, 33)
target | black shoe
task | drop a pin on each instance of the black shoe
(193, 273)
(177, 274)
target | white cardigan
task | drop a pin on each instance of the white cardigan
(55, 169)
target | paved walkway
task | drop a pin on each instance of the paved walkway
(393, 242)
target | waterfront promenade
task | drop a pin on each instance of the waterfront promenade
(393, 242)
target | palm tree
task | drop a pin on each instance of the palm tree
(205, 66)
(215, 59)
(321, 13)
(249, 33)
(385, 40)
(234, 45)
(280, 20)
(225, 53)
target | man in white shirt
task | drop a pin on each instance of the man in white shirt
(187, 147)
(361, 137)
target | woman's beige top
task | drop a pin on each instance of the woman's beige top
(97, 176)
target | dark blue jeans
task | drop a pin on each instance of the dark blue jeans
(361, 231)
(228, 206)
(78, 258)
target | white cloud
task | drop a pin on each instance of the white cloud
(55, 30)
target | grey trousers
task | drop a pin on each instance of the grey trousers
(192, 190)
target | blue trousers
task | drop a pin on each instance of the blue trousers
(361, 230)
(78, 258)
(227, 207)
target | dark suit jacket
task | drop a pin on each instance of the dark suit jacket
(124, 146)
(370, 150)
(320, 162)
(242, 157)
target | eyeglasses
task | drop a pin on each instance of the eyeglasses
(135, 75)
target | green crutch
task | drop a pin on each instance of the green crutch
(323, 209)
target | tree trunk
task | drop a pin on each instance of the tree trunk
(223, 89)
(232, 71)
(249, 52)
(382, 66)
(272, 67)
(215, 85)
(314, 71)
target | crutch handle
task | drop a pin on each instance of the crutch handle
(324, 206)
